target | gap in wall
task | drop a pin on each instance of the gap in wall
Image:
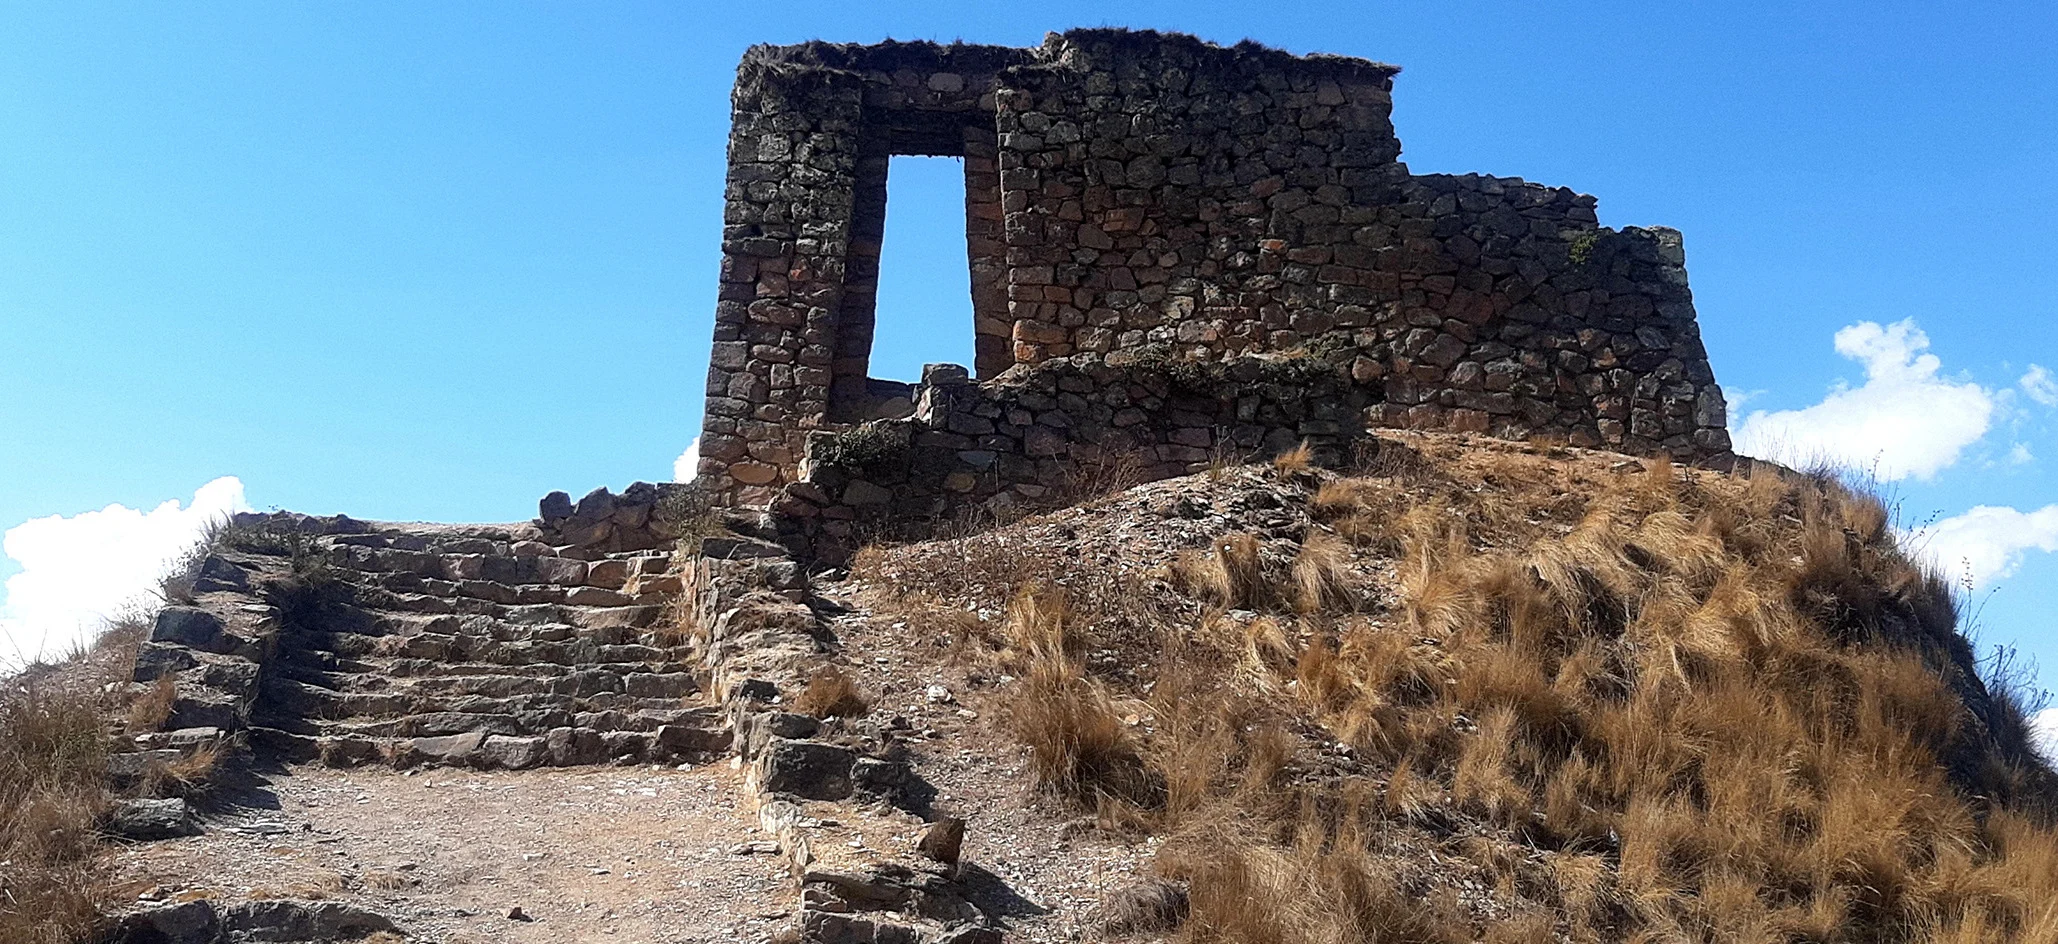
(924, 311)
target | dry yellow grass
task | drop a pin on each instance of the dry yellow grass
(1078, 744)
(53, 761)
(149, 711)
(1295, 460)
(1652, 704)
(831, 693)
(56, 726)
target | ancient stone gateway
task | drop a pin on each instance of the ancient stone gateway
(1178, 251)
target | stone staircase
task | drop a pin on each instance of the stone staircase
(436, 644)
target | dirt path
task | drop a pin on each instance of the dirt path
(637, 854)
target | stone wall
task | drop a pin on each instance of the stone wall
(1136, 202)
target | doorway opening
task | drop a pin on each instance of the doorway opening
(923, 311)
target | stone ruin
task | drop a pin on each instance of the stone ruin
(1179, 253)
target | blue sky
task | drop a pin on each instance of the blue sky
(432, 261)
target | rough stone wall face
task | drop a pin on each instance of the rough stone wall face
(1138, 197)
(1150, 185)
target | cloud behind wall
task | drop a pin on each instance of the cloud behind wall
(687, 467)
(79, 571)
(1905, 420)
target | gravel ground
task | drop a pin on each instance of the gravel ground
(589, 854)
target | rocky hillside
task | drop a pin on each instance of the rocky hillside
(1464, 690)
(1479, 690)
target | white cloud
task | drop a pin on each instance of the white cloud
(77, 572)
(1737, 398)
(1986, 543)
(687, 466)
(2019, 454)
(2043, 729)
(2041, 387)
(1905, 421)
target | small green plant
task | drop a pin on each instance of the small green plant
(1582, 247)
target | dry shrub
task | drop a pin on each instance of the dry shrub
(1078, 744)
(1231, 575)
(1296, 460)
(190, 776)
(1103, 474)
(1314, 887)
(1335, 498)
(149, 711)
(1152, 905)
(53, 760)
(1319, 576)
(385, 881)
(830, 693)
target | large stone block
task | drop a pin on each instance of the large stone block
(808, 769)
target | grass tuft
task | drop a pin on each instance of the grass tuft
(831, 693)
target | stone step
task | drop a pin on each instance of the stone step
(399, 669)
(503, 718)
(647, 592)
(497, 568)
(640, 612)
(591, 687)
(558, 747)
(631, 680)
(419, 654)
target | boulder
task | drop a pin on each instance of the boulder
(737, 547)
(285, 920)
(217, 575)
(570, 747)
(607, 574)
(157, 659)
(451, 750)
(596, 506)
(807, 769)
(660, 684)
(180, 739)
(943, 840)
(633, 745)
(188, 626)
(146, 820)
(685, 739)
(192, 922)
(135, 765)
(510, 753)
(202, 708)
